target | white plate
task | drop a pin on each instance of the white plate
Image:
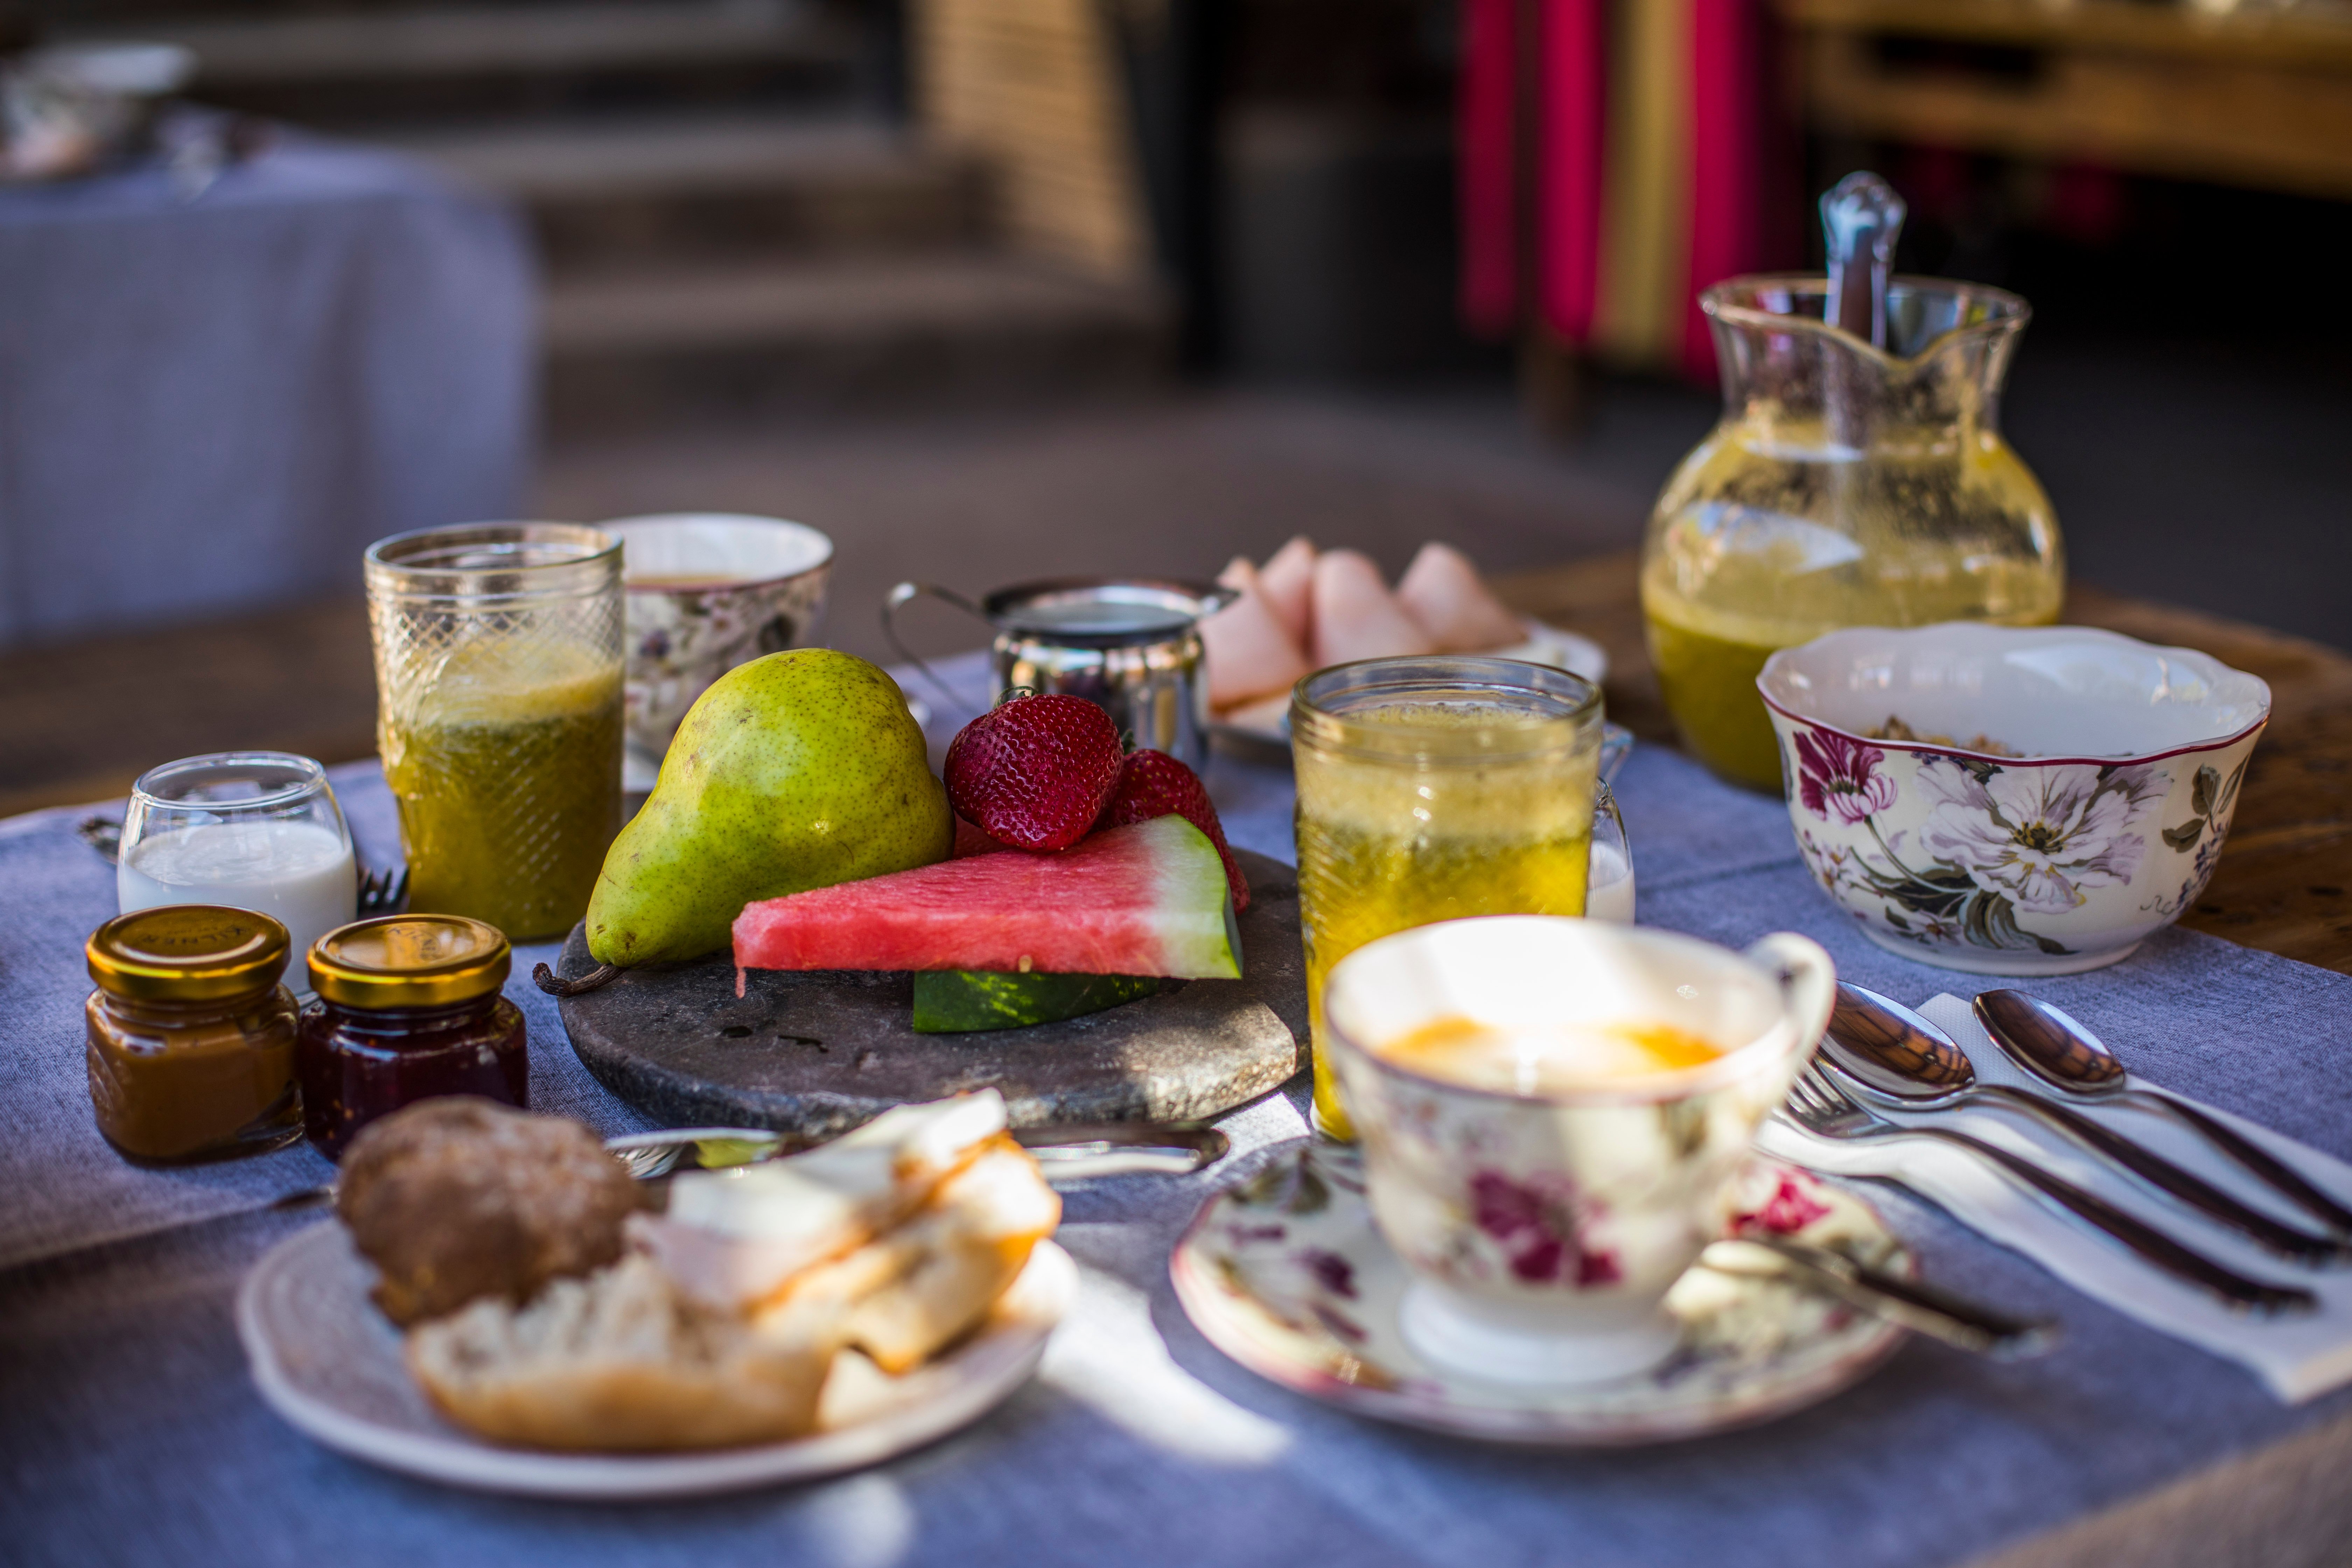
(1287, 1275)
(1266, 720)
(328, 1361)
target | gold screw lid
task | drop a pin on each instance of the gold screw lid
(409, 961)
(187, 952)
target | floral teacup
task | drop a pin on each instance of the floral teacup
(2007, 800)
(1544, 1230)
(709, 591)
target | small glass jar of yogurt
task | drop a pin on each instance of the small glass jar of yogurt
(252, 830)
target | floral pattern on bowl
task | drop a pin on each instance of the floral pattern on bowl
(723, 590)
(1287, 1274)
(682, 640)
(2010, 865)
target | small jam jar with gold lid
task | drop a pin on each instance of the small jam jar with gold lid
(408, 1007)
(191, 1035)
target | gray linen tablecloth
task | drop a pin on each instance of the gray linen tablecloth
(130, 1434)
(206, 406)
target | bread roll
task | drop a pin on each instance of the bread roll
(926, 1284)
(456, 1198)
(733, 1238)
(621, 1362)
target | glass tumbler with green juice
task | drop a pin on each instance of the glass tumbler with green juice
(499, 716)
(1430, 789)
(1858, 477)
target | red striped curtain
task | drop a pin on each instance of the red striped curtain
(1613, 155)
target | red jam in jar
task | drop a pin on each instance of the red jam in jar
(408, 1008)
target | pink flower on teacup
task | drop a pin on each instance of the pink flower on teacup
(1791, 1207)
(2040, 834)
(1539, 1232)
(1836, 775)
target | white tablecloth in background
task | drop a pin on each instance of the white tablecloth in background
(212, 405)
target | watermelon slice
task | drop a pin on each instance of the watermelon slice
(1147, 900)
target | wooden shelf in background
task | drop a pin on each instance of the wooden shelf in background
(2262, 99)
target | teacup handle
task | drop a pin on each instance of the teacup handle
(1807, 980)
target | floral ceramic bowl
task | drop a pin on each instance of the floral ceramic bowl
(709, 591)
(2009, 800)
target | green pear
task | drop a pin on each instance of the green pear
(795, 770)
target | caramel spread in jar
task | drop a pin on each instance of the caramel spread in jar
(191, 1036)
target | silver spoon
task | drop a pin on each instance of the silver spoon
(648, 1155)
(1861, 219)
(1819, 1103)
(1069, 1152)
(2071, 1060)
(1897, 1057)
(1913, 1303)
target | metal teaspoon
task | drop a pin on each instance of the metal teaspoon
(1897, 1057)
(2071, 1060)
(1914, 1303)
(1066, 1151)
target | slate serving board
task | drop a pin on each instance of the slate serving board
(812, 1055)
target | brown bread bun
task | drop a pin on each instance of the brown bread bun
(456, 1198)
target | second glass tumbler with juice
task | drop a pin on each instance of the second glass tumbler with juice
(499, 663)
(1432, 789)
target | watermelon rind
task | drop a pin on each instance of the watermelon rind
(1189, 880)
(968, 1001)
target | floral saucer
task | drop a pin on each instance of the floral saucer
(1287, 1275)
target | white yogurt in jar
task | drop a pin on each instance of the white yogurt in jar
(299, 872)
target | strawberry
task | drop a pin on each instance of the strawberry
(1154, 784)
(971, 840)
(1034, 773)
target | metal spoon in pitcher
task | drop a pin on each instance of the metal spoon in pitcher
(2071, 1060)
(1861, 219)
(1892, 1055)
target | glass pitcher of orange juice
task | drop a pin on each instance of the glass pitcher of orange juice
(1849, 483)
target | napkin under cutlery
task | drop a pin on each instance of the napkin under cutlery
(2298, 1358)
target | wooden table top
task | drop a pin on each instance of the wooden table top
(2285, 883)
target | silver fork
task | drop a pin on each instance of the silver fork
(1819, 1106)
(381, 892)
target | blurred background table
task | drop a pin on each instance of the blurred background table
(214, 400)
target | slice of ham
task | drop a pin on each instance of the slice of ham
(1447, 599)
(1356, 616)
(1288, 581)
(1249, 652)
